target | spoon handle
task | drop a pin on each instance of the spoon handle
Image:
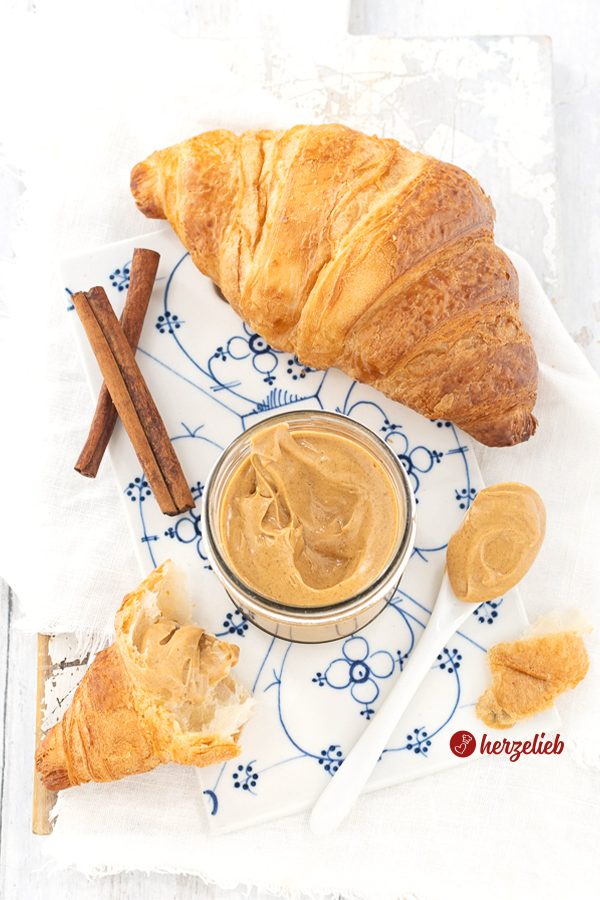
(341, 793)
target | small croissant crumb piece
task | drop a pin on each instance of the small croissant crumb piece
(163, 692)
(530, 673)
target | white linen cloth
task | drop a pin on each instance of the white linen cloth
(77, 116)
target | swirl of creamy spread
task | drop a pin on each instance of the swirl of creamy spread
(310, 519)
(497, 542)
(183, 661)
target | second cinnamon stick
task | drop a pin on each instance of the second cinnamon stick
(144, 266)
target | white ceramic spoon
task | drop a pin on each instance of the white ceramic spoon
(341, 793)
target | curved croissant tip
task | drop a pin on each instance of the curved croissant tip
(515, 427)
(530, 428)
(144, 187)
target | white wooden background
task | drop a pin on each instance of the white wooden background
(574, 29)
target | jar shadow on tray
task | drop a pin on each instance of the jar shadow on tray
(311, 554)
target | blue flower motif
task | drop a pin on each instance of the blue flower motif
(167, 323)
(296, 369)
(120, 277)
(235, 623)
(138, 489)
(358, 670)
(449, 661)
(465, 497)
(250, 780)
(488, 611)
(418, 741)
(331, 759)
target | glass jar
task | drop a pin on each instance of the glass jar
(314, 624)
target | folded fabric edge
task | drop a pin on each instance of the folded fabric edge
(85, 642)
(526, 272)
(67, 857)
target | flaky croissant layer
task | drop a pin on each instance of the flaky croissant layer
(350, 251)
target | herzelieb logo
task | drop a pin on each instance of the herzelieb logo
(462, 743)
(514, 749)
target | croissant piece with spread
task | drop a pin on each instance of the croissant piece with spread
(163, 692)
(353, 252)
(529, 674)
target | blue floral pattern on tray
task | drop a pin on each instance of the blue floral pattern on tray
(212, 376)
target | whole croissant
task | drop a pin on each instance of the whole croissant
(351, 251)
(163, 692)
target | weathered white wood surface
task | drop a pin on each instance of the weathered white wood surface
(481, 103)
(573, 28)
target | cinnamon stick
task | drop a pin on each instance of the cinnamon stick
(133, 401)
(141, 281)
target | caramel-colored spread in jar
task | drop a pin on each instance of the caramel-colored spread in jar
(496, 543)
(310, 518)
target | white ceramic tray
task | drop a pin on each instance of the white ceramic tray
(211, 377)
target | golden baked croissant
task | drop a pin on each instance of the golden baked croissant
(351, 251)
(163, 692)
(529, 674)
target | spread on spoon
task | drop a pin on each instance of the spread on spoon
(310, 518)
(497, 542)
